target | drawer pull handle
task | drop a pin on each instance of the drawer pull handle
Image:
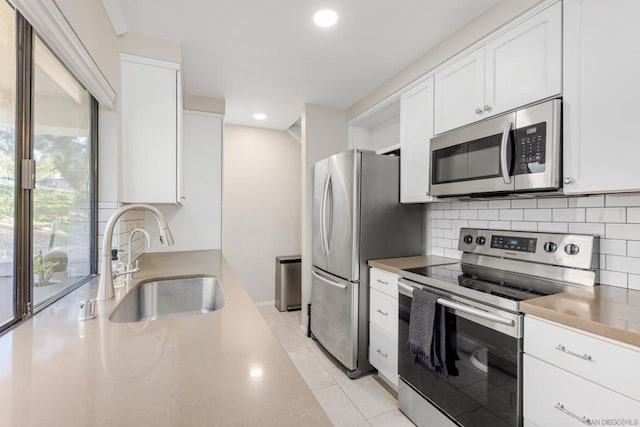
(584, 420)
(585, 356)
(382, 312)
(382, 282)
(381, 353)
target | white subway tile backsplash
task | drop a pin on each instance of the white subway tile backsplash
(633, 249)
(554, 202)
(537, 215)
(511, 214)
(613, 278)
(499, 225)
(615, 218)
(586, 228)
(595, 201)
(499, 204)
(607, 215)
(553, 227)
(469, 214)
(623, 231)
(613, 247)
(569, 214)
(489, 214)
(633, 215)
(524, 226)
(479, 205)
(524, 203)
(622, 199)
(452, 214)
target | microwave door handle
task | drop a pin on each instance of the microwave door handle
(504, 165)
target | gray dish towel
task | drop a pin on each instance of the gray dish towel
(427, 332)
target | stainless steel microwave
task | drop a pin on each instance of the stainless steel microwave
(510, 153)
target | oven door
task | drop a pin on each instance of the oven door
(484, 358)
(474, 159)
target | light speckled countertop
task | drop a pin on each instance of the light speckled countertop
(194, 370)
(607, 311)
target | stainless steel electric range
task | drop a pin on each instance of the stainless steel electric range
(483, 322)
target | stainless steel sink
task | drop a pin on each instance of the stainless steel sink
(169, 298)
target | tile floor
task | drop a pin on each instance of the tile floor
(349, 403)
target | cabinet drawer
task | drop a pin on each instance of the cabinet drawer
(383, 353)
(383, 312)
(600, 361)
(384, 282)
(554, 397)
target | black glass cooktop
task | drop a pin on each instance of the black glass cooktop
(503, 284)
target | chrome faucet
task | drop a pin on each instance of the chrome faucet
(106, 291)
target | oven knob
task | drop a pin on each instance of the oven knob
(468, 239)
(550, 247)
(481, 240)
(571, 249)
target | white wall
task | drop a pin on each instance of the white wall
(498, 15)
(324, 132)
(197, 223)
(261, 204)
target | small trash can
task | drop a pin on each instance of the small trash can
(288, 283)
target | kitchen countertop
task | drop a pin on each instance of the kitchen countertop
(220, 368)
(395, 265)
(608, 311)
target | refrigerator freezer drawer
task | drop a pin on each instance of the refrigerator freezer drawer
(334, 316)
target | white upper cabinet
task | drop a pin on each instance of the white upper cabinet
(516, 67)
(601, 108)
(459, 92)
(524, 64)
(151, 106)
(416, 131)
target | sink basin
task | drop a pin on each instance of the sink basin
(169, 298)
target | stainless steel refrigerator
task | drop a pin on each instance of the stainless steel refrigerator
(357, 216)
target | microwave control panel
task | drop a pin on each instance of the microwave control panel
(530, 149)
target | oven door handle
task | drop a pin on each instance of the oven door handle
(482, 314)
(476, 312)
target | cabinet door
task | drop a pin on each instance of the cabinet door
(459, 92)
(416, 131)
(601, 69)
(524, 64)
(149, 132)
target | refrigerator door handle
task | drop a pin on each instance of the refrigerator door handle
(326, 280)
(323, 215)
(330, 225)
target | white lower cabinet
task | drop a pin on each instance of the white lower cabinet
(383, 324)
(572, 378)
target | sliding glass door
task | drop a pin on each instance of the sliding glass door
(7, 162)
(48, 174)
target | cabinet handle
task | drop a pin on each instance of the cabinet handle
(487, 108)
(478, 110)
(585, 356)
(382, 282)
(568, 180)
(381, 353)
(584, 420)
(382, 312)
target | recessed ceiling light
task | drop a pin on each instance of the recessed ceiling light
(325, 18)
(259, 116)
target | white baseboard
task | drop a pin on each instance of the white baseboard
(266, 304)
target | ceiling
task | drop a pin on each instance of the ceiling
(268, 56)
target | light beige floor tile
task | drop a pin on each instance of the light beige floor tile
(293, 318)
(366, 393)
(391, 419)
(323, 356)
(288, 338)
(310, 369)
(273, 316)
(339, 408)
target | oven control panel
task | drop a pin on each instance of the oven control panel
(568, 250)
